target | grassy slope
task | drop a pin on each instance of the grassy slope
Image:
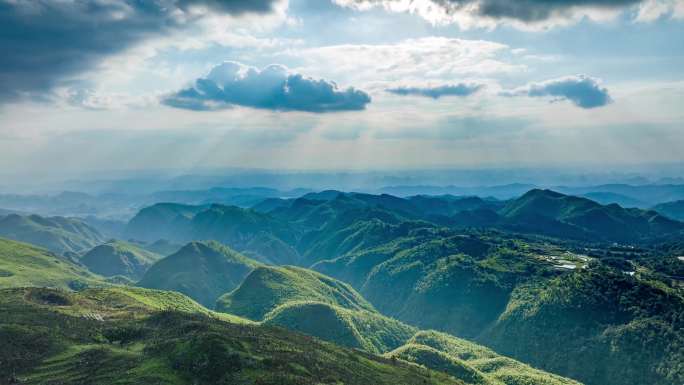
(470, 362)
(359, 329)
(120, 336)
(26, 265)
(268, 287)
(119, 258)
(366, 329)
(201, 270)
(56, 234)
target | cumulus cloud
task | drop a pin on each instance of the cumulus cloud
(272, 88)
(47, 41)
(436, 92)
(489, 13)
(583, 91)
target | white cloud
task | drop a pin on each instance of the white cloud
(652, 10)
(412, 60)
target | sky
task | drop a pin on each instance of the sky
(88, 86)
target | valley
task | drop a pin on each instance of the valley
(569, 289)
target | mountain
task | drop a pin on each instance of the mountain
(257, 234)
(201, 270)
(649, 194)
(307, 302)
(119, 258)
(543, 304)
(23, 265)
(606, 198)
(674, 210)
(57, 234)
(627, 329)
(136, 336)
(268, 287)
(554, 214)
(161, 221)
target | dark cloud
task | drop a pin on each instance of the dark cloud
(272, 88)
(461, 89)
(536, 10)
(47, 41)
(581, 90)
(522, 10)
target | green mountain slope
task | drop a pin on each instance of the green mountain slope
(263, 237)
(360, 329)
(117, 337)
(471, 363)
(564, 216)
(327, 317)
(119, 258)
(56, 234)
(268, 287)
(24, 265)
(627, 329)
(201, 270)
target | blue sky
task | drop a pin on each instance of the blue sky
(339, 84)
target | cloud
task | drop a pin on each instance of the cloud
(271, 88)
(46, 42)
(410, 61)
(436, 92)
(489, 13)
(581, 90)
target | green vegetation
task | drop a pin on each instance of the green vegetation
(259, 235)
(628, 329)
(201, 270)
(332, 317)
(115, 337)
(554, 214)
(359, 329)
(23, 265)
(268, 287)
(56, 234)
(119, 258)
(470, 362)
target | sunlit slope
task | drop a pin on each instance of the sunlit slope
(144, 337)
(56, 234)
(23, 265)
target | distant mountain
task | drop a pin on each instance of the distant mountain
(201, 270)
(119, 258)
(23, 265)
(551, 213)
(674, 210)
(606, 198)
(57, 234)
(506, 191)
(649, 194)
(259, 235)
(161, 221)
(162, 247)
